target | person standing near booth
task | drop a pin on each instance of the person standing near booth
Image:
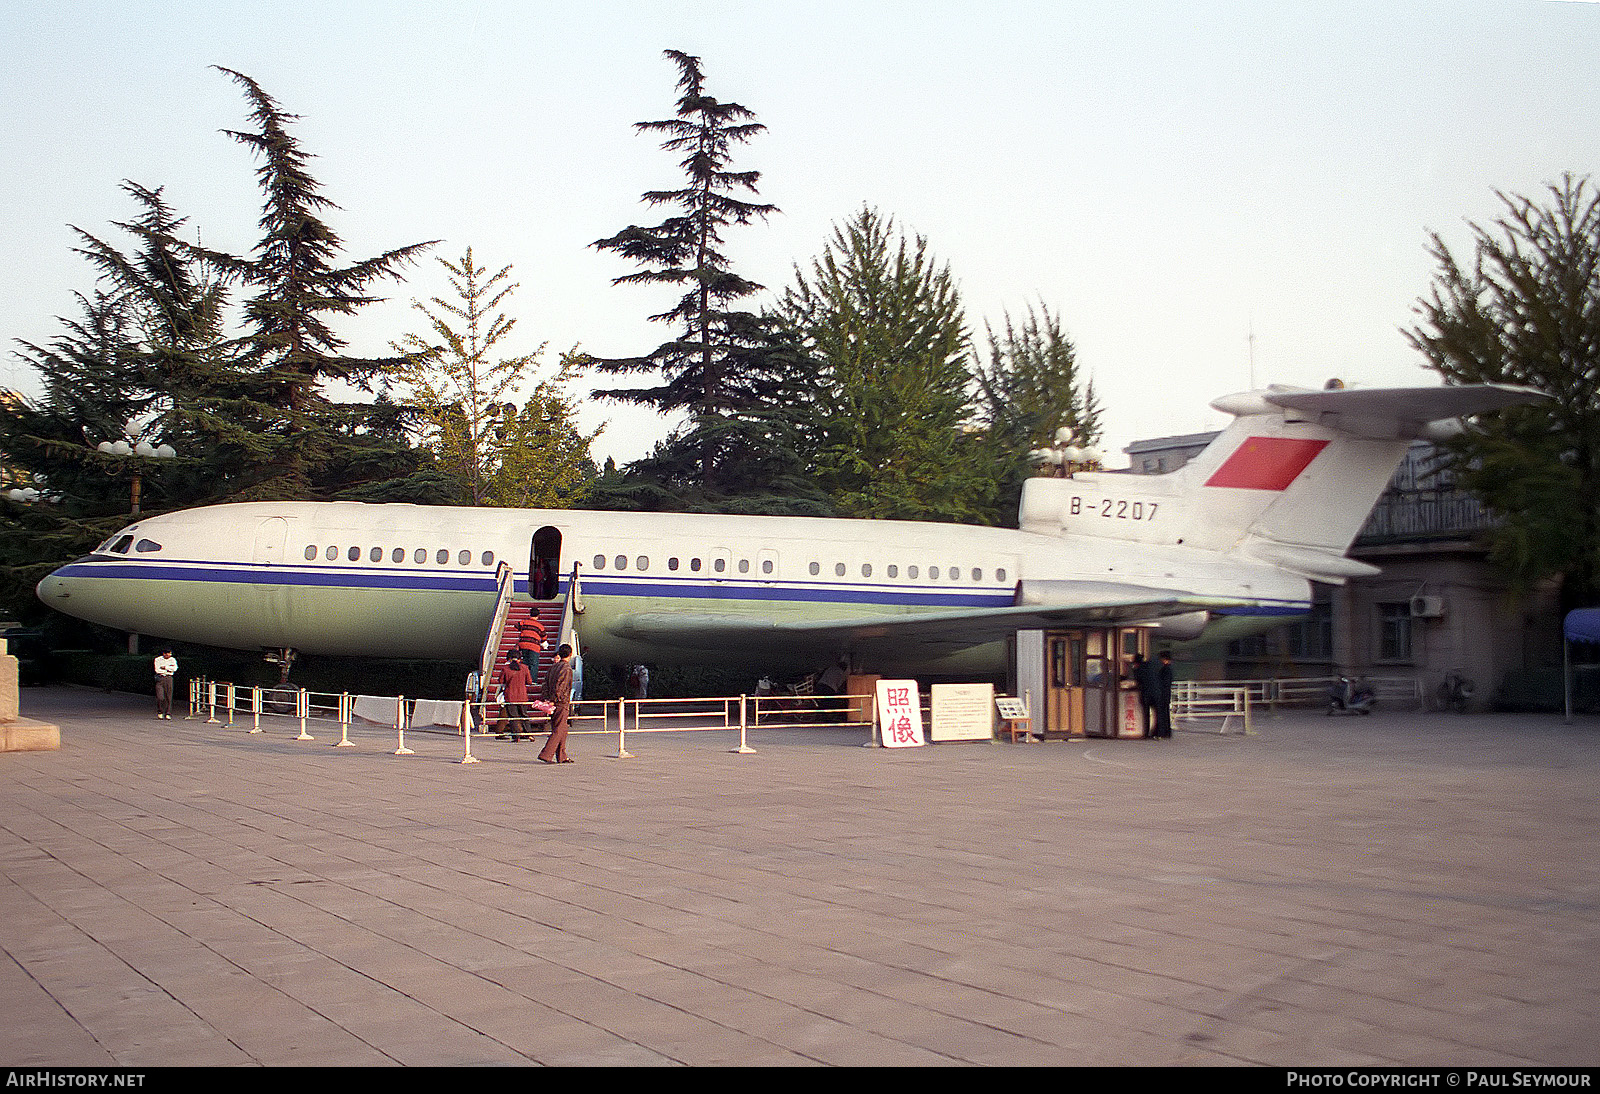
(1147, 678)
(1164, 696)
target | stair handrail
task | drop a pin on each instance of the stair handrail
(505, 588)
(574, 607)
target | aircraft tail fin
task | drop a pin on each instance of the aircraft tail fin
(1289, 482)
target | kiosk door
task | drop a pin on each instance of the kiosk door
(1089, 672)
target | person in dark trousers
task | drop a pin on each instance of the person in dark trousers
(166, 668)
(1147, 678)
(1164, 696)
(515, 681)
(558, 693)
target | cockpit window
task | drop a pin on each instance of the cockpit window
(145, 546)
(121, 546)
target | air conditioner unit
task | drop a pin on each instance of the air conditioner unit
(1427, 607)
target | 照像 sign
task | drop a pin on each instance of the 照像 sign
(899, 714)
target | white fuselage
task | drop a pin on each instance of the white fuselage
(418, 581)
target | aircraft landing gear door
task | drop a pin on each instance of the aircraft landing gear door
(544, 564)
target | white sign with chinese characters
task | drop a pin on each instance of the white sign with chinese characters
(899, 714)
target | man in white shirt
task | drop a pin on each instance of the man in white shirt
(166, 669)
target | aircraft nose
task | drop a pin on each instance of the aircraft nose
(54, 590)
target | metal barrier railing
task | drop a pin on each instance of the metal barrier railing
(1312, 691)
(216, 700)
(1194, 701)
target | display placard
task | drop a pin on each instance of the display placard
(899, 714)
(963, 712)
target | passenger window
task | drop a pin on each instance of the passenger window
(331, 554)
(694, 565)
(894, 571)
(766, 565)
(744, 565)
(353, 554)
(442, 557)
(838, 569)
(866, 569)
(311, 553)
(642, 562)
(720, 565)
(397, 555)
(933, 573)
(464, 558)
(672, 564)
(420, 555)
(977, 574)
(999, 575)
(815, 569)
(622, 562)
(955, 573)
(911, 572)
(488, 558)
(599, 562)
(376, 554)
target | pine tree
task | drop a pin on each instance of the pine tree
(296, 290)
(713, 361)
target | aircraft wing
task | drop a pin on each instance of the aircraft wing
(946, 631)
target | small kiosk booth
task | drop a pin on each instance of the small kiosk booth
(1078, 681)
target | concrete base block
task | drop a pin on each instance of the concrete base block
(27, 735)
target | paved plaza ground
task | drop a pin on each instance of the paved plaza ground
(1403, 889)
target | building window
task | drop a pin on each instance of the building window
(1394, 631)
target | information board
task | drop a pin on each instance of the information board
(963, 712)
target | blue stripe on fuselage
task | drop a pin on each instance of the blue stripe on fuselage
(350, 577)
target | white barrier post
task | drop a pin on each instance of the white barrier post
(302, 707)
(622, 729)
(231, 698)
(744, 748)
(345, 703)
(400, 726)
(255, 705)
(466, 731)
(211, 700)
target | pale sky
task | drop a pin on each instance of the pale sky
(1179, 181)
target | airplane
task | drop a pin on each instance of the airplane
(1229, 543)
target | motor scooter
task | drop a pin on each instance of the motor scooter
(1350, 697)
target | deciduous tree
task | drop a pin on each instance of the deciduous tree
(1526, 310)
